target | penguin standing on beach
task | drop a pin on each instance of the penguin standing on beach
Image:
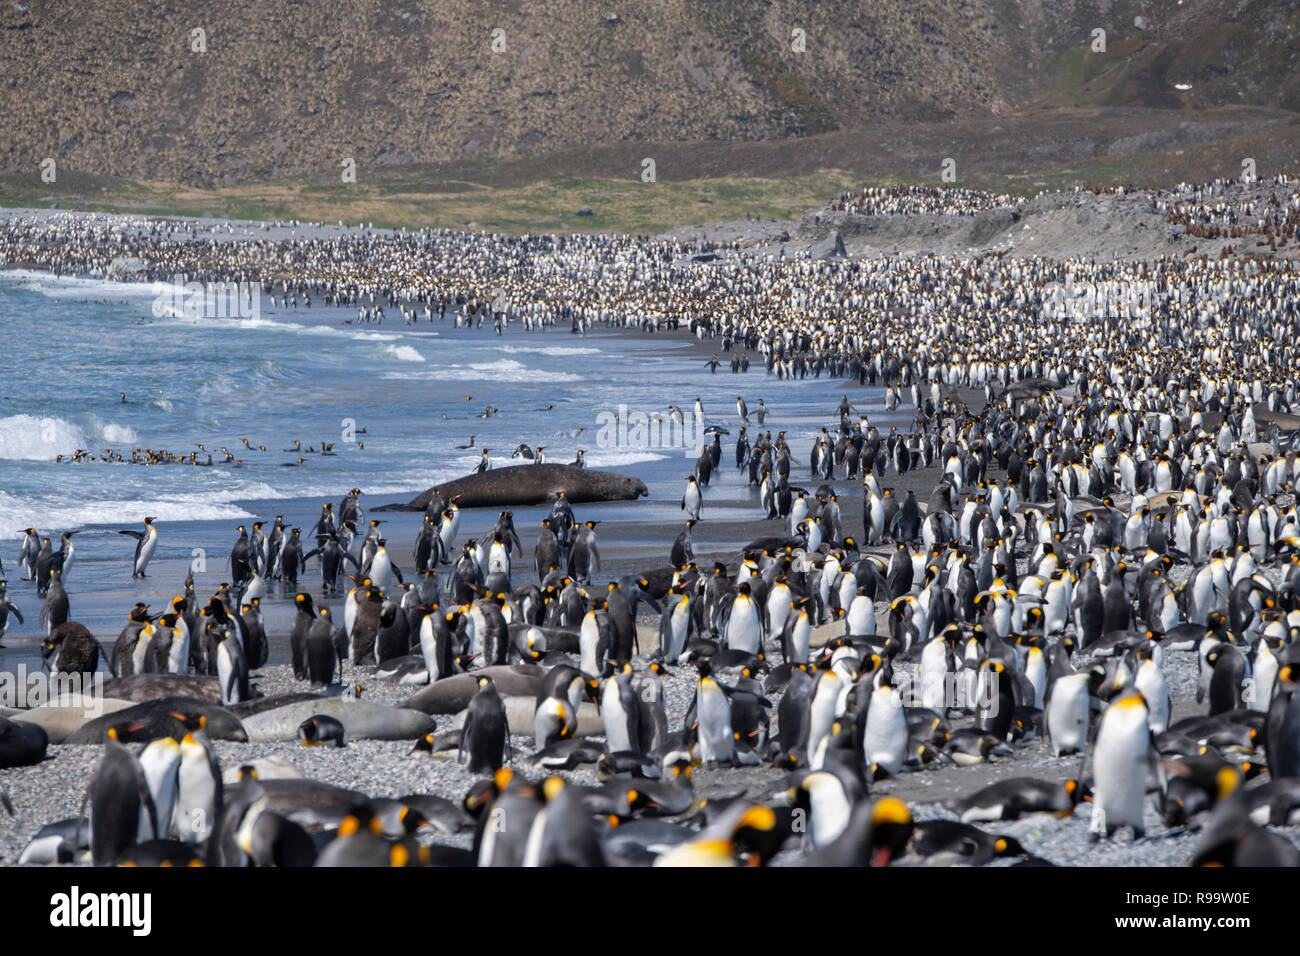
(717, 745)
(302, 625)
(484, 737)
(232, 668)
(7, 607)
(199, 797)
(620, 713)
(1122, 755)
(241, 558)
(121, 806)
(584, 559)
(146, 543)
(55, 610)
(31, 547)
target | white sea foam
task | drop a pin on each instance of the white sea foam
(499, 370)
(45, 437)
(607, 458)
(119, 434)
(77, 287)
(549, 349)
(404, 353)
(18, 513)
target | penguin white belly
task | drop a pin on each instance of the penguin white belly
(1119, 763)
(862, 617)
(429, 649)
(778, 609)
(934, 675)
(381, 571)
(588, 639)
(885, 739)
(1150, 681)
(1067, 714)
(822, 712)
(147, 548)
(742, 628)
(713, 711)
(615, 718)
(226, 675)
(178, 655)
(195, 799)
(800, 639)
(1036, 673)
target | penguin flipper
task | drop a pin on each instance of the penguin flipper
(16, 613)
(138, 535)
(465, 731)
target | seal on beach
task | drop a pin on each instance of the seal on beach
(167, 716)
(531, 485)
(21, 744)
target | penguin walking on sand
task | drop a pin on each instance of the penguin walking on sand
(692, 499)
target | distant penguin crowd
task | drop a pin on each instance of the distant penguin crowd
(1083, 490)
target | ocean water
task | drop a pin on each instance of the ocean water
(72, 346)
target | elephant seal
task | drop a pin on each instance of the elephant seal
(146, 687)
(530, 485)
(21, 744)
(361, 719)
(452, 694)
(156, 718)
(260, 705)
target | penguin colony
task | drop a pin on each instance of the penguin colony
(1125, 493)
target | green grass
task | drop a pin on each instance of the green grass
(549, 204)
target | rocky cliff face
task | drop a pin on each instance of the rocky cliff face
(274, 89)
